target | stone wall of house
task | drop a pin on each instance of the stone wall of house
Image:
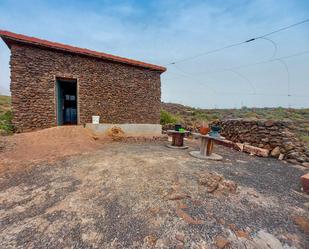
(118, 93)
(276, 136)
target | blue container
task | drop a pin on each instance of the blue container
(215, 131)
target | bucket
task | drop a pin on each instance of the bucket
(95, 119)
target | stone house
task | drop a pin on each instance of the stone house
(55, 84)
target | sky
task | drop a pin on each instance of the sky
(166, 31)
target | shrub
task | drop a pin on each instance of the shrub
(6, 126)
(167, 118)
(201, 116)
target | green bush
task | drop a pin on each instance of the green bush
(167, 118)
(201, 116)
(6, 126)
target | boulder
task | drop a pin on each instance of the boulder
(221, 242)
(275, 152)
(269, 123)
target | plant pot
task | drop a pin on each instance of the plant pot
(204, 130)
(215, 131)
(215, 128)
(177, 127)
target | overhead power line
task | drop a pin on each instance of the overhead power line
(239, 43)
(284, 28)
(245, 65)
(232, 69)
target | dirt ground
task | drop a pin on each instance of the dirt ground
(29, 148)
(144, 195)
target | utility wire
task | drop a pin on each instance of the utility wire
(238, 43)
(186, 74)
(284, 28)
(206, 53)
(254, 64)
(279, 59)
(274, 45)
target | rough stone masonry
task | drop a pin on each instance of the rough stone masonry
(119, 92)
(277, 136)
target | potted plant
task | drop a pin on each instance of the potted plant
(215, 129)
(204, 128)
(177, 127)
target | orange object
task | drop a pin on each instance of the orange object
(204, 130)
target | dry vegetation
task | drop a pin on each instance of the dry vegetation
(5, 115)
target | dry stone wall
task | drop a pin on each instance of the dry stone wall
(118, 93)
(276, 136)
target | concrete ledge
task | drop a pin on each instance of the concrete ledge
(134, 130)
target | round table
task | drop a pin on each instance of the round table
(177, 139)
(206, 147)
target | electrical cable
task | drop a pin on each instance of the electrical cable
(238, 43)
(280, 59)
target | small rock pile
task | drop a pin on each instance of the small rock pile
(276, 136)
(216, 183)
(116, 133)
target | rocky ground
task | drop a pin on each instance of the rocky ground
(144, 195)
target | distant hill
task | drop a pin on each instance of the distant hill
(189, 113)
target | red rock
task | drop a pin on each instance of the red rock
(305, 182)
(151, 240)
(182, 205)
(302, 222)
(187, 218)
(221, 242)
(239, 146)
(242, 234)
(177, 196)
(232, 226)
(256, 150)
(221, 221)
(269, 123)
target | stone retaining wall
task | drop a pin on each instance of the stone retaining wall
(276, 136)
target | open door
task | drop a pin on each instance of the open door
(66, 102)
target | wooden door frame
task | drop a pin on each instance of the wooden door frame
(66, 78)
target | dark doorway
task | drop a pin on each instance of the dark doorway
(66, 102)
